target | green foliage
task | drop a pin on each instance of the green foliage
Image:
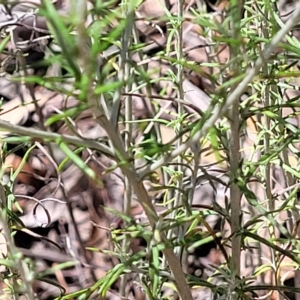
(97, 60)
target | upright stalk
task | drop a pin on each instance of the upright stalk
(180, 110)
(234, 146)
(265, 32)
(123, 75)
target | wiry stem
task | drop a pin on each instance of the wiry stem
(267, 126)
(180, 110)
(234, 148)
(124, 75)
